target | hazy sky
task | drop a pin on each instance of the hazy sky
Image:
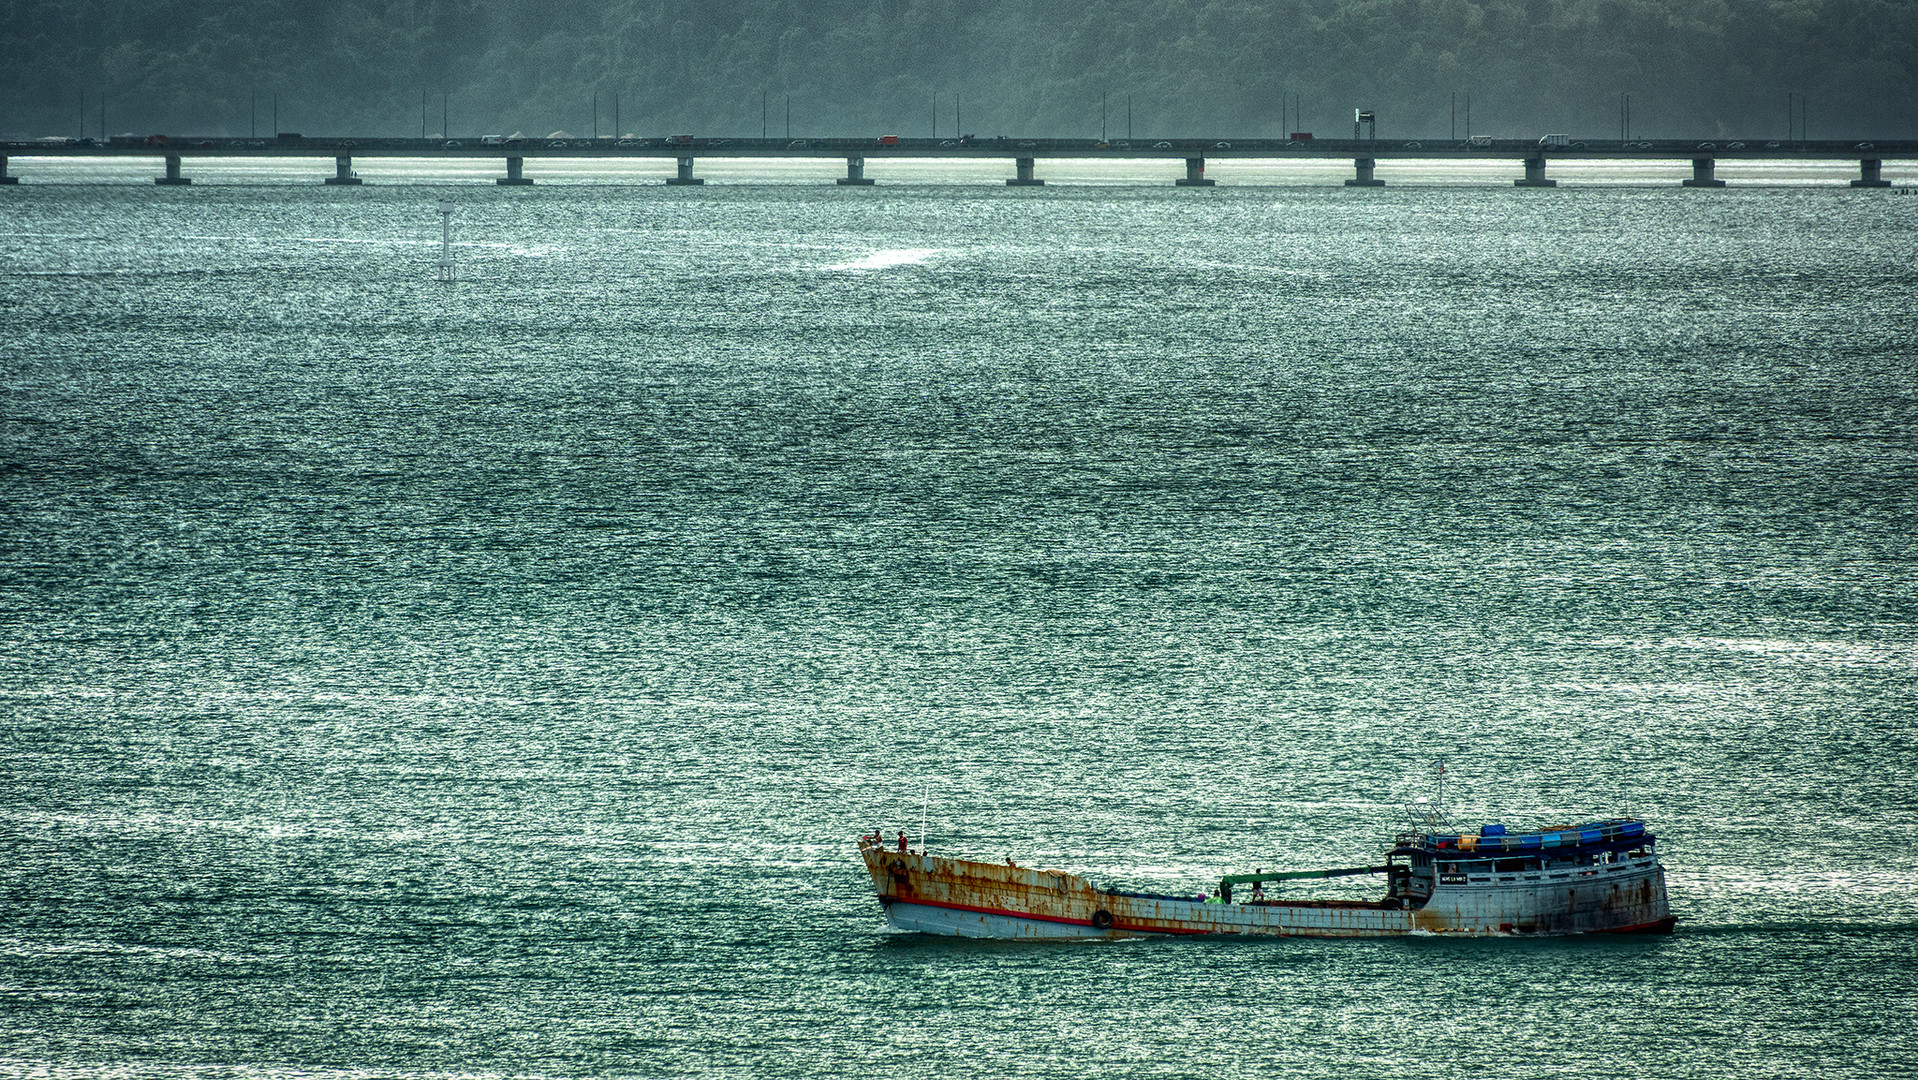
(918, 66)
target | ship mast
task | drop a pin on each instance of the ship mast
(1428, 812)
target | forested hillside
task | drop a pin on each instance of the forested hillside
(1214, 67)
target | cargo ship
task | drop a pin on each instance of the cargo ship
(1596, 878)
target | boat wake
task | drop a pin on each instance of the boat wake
(885, 260)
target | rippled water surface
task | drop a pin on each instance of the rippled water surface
(490, 678)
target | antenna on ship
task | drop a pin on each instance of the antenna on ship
(925, 813)
(446, 241)
(1428, 812)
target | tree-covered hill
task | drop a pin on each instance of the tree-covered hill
(1702, 68)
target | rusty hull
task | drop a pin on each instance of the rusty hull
(940, 895)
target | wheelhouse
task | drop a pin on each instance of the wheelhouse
(1423, 862)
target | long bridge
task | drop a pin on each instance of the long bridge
(1532, 157)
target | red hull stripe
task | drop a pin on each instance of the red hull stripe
(1656, 926)
(1030, 917)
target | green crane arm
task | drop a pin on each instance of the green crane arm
(1299, 875)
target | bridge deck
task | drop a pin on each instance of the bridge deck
(871, 149)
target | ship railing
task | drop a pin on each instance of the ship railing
(1454, 869)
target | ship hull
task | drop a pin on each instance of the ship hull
(957, 897)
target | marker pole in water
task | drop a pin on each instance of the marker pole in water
(446, 241)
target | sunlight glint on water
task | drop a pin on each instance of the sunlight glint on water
(490, 678)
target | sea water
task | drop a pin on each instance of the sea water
(491, 678)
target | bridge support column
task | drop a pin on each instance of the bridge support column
(343, 173)
(1365, 165)
(4, 178)
(1702, 169)
(1869, 171)
(1534, 174)
(1023, 177)
(685, 176)
(1195, 174)
(172, 176)
(855, 173)
(513, 177)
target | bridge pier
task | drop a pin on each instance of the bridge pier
(1365, 165)
(172, 177)
(685, 175)
(855, 173)
(1702, 170)
(1869, 173)
(1022, 168)
(1195, 174)
(1534, 174)
(343, 173)
(4, 178)
(513, 177)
